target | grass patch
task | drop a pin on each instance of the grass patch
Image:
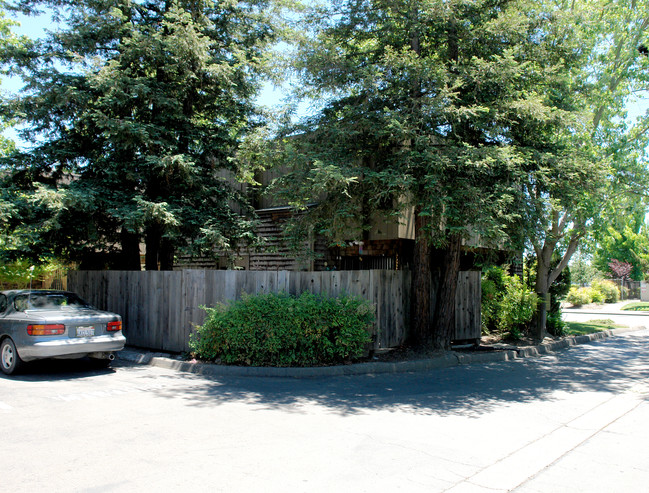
(639, 306)
(590, 327)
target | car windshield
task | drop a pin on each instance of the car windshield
(48, 301)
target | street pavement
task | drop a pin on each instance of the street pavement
(572, 420)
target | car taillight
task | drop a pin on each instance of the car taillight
(46, 330)
(114, 326)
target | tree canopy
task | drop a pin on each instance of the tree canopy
(502, 120)
(611, 72)
(628, 245)
(133, 111)
(470, 114)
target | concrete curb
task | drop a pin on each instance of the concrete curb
(445, 360)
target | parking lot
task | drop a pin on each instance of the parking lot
(572, 421)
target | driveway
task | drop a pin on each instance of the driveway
(570, 421)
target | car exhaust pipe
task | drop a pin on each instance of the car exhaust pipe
(102, 355)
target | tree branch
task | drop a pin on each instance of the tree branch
(572, 248)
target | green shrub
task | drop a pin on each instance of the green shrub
(490, 303)
(579, 296)
(507, 304)
(18, 274)
(608, 289)
(595, 295)
(555, 325)
(283, 330)
(516, 307)
(493, 287)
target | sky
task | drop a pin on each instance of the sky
(270, 96)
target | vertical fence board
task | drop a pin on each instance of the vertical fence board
(117, 290)
(176, 307)
(154, 298)
(214, 287)
(194, 296)
(147, 300)
(132, 309)
(293, 286)
(465, 319)
(159, 320)
(283, 281)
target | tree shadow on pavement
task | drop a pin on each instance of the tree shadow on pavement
(614, 366)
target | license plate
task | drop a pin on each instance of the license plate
(88, 331)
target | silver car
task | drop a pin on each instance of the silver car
(36, 324)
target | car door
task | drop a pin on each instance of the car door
(4, 305)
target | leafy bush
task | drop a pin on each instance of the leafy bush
(507, 304)
(555, 325)
(601, 291)
(608, 289)
(516, 308)
(579, 296)
(596, 296)
(283, 330)
(493, 287)
(19, 273)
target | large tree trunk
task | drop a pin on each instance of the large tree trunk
(445, 313)
(129, 258)
(159, 250)
(166, 254)
(420, 315)
(542, 289)
(545, 276)
(152, 240)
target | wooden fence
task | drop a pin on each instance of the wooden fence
(468, 306)
(161, 309)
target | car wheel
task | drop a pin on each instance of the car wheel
(10, 362)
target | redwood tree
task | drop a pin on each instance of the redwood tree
(424, 108)
(133, 110)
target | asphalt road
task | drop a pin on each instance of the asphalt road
(573, 421)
